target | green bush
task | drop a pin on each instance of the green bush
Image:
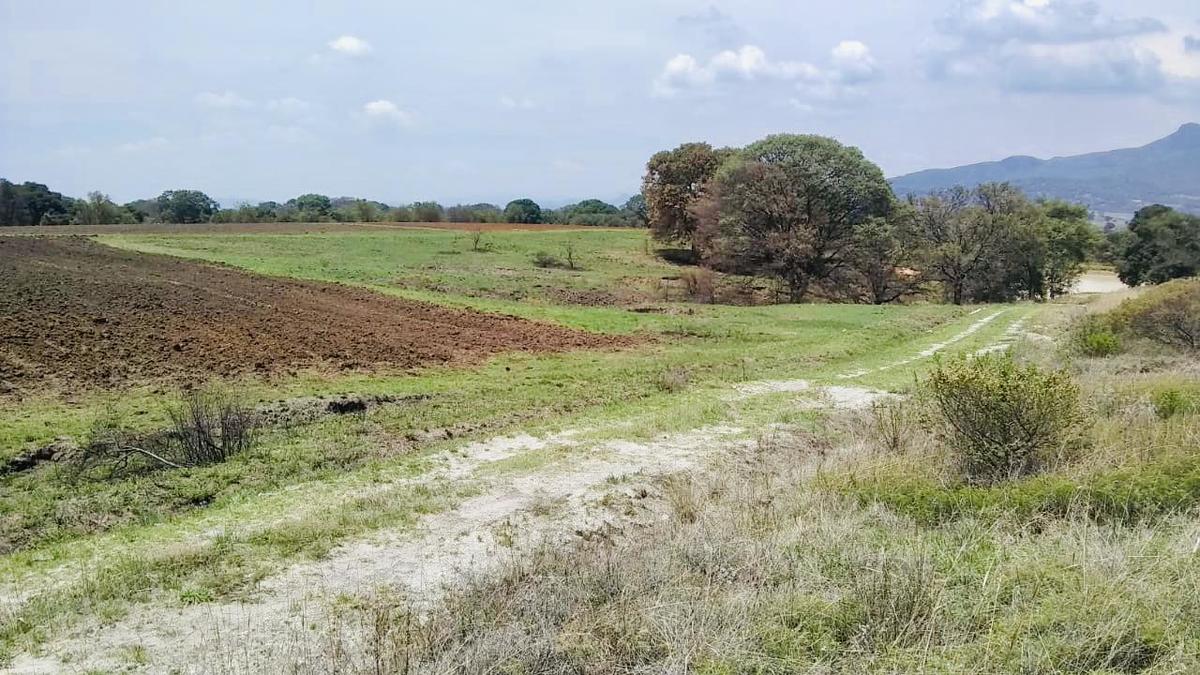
(1004, 420)
(1169, 314)
(1093, 336)
(1171, 402)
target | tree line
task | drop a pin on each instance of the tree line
(819, 217)
(35, 204)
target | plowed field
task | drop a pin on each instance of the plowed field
(77, 313)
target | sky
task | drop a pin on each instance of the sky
(561, 100)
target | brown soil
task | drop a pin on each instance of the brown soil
(76, 313)
(270, 228)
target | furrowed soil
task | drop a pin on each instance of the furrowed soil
(77, 313)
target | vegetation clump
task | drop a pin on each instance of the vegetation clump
(1168, 314)
(1004, 420)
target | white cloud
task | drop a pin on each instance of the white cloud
(226, 100)
(350, 45)
(386, 111)
(1042, 21)
(719, 28)
(1065, 46)
(850, 63)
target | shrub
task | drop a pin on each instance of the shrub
(210, 427)
(1171, 402)
(674, 379)
(547, 261)
(700, 284)
(1169, 314)
(1002, 419)
(1093, 336)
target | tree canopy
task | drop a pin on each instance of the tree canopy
(522, 211)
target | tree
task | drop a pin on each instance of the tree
(428, 212)
(674, 181)
(885, 257)
(97, 209)
(311, 207)
(1162, 244)
(789, 206)
(635, 211)
(1070, 240)
(32, 204)
(961, 239)
(522, 211)
(185, 206)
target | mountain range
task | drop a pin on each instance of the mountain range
(1113, 184)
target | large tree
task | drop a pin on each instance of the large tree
(790, 206)
(962, 238)
(185, 206)
(522, 211)
(32, 204)
(674, 181)
(1162, 244)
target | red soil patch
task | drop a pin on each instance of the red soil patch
(75, 312)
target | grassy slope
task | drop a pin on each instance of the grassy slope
(303, 473)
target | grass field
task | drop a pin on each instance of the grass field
(88, 557)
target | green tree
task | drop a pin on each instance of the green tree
(522, 211)
(185, 206)
(962, 239)
(885, 257)
(312, 207)
(428, 212)
(635, 211)
(789, 206)
(97, 209)
(675, 180)
(1162, 244)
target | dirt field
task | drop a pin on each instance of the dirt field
(76, 313)
(272, 228)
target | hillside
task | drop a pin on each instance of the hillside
(1116, 182)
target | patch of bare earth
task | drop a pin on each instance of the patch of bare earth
(75, 312)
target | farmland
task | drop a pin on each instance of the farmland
(499, 405)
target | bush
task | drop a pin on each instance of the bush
(547, 261)
(1004, 420)
(1169, 314)
(700, 284)
(1093, 336)
(674, 379)
(210, 427)
(1171, 402)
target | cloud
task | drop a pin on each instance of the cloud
(1191, 43)
(226, 100)
(387, 112)
(851, 63)
(1040, 21)
(1064, 46)
(350, 45)
(717, 27)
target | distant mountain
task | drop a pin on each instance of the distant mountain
(1115, 183)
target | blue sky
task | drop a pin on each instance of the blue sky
(487, 101)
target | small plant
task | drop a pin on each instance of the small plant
(477, 240)
(210, 427)
(700, 284)
(891, 602)
(674, 379)
(1171, 402)
(569, 254)
(547, 261)
(1094, 337)
(889, 426)
(1004, 420)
